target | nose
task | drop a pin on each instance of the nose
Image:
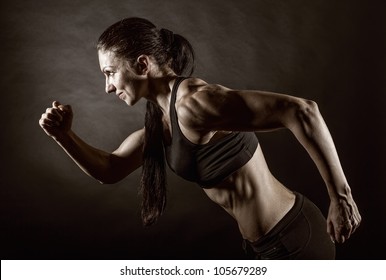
(110, 88)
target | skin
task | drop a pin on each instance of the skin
(252, 195)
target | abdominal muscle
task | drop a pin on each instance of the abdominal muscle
(251, 195)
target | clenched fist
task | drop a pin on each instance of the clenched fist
(57, 120)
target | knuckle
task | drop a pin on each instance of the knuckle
(52, 110)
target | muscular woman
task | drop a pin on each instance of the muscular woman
(205, 133)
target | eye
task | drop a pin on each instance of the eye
(108, 73)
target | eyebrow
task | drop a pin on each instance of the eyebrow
(104, 68)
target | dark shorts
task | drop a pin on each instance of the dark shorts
(301, 234)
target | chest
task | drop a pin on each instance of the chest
(193, 136)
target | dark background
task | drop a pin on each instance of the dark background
(328, 51)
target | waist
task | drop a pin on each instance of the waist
(253, 197)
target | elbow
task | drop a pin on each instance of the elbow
(308, 117)
(305, 114)
(106, 178)
(107, 181)
(308, 110)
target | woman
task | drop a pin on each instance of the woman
(206, 134)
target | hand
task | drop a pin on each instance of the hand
(343, 219)
(57, 120)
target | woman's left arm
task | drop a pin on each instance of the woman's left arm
(309, 128)
(218, 108)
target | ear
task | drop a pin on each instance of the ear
(143, 64)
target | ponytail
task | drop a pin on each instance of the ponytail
(153, 180)
(180, 52)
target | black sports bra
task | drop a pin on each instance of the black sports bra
(210, 163)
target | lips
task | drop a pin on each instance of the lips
(121, 95)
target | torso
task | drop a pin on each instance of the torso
(255, 198)
(251, 195)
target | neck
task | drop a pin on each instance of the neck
(159, 91)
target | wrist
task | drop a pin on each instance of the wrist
(337, 193)
(64, 137)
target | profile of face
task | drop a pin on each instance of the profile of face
(123, 80)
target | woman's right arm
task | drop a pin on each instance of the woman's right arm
(105, 167)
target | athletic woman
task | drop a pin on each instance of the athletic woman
(205, 133)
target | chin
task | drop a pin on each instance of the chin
(130, 102)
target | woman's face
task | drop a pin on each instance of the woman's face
(121, 78)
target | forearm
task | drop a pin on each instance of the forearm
(312, 132)
(94, 162)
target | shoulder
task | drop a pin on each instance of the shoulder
(199, 102)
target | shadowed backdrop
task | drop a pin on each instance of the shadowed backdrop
(328, 51)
